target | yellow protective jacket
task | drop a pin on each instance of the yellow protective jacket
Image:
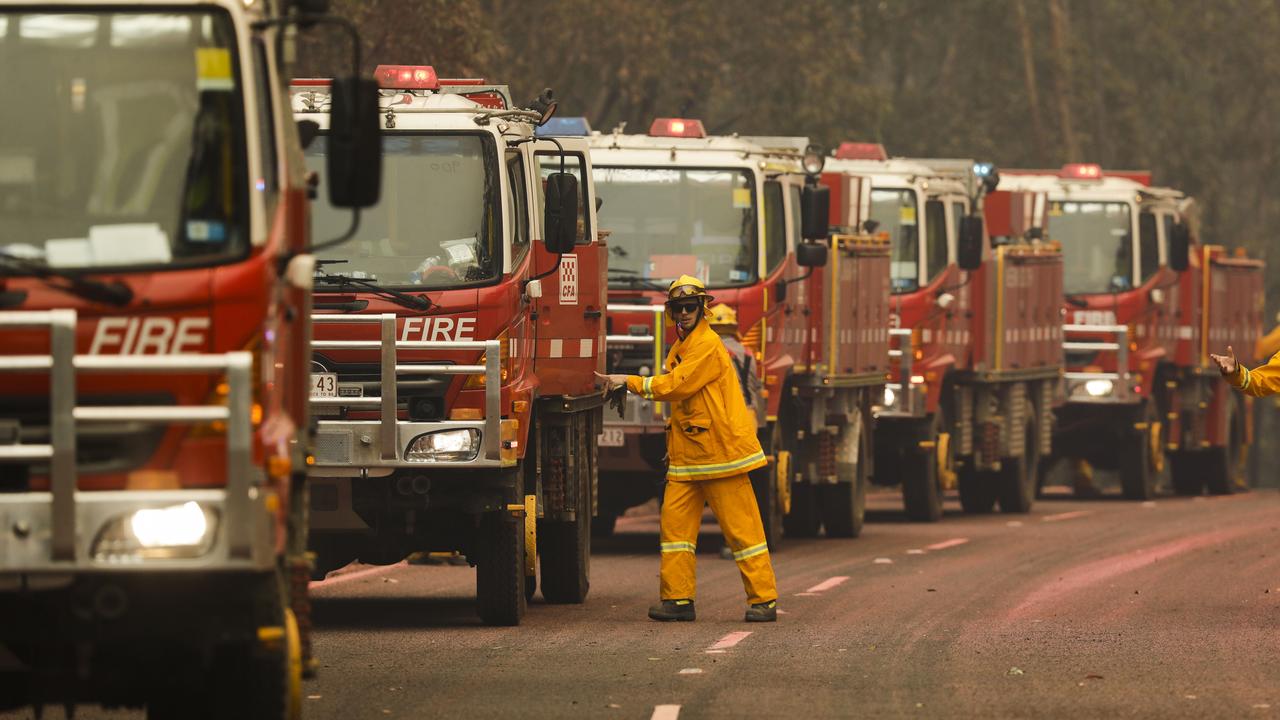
(1260, 381)
(711, 434)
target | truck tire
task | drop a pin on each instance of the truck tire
(977, 491)
(921, 486)
(803, 520)
(1142, 459)
(1187, 469)
(602, 526)
(500, 576)
(564, 547)
(1017, 480)
(1224, 469)
(764, 482)
(844, 504)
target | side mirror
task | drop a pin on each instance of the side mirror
(815, 212)
(1180, 247)
(560, 228)
(969, 245)
(811, 254)
(354, 155)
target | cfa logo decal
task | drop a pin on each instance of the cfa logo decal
(569, 280)
(149, 336)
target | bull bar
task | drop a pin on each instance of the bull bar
(1078, 383)
(907, 401)
(54, 531)
(638, 414)
(383, 443)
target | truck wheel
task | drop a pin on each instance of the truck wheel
(921, 486)
(565, 547)
(1017, 479)
(1188, 471)
(1224, 465)
(844, 505)
(766, 483)
(602, 525)
(500, 570)
(803, 520)
(1143, 460)
(977, 491)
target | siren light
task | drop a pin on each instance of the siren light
(1081, 171)
(677, 127)
(861, 151)
(407, 77)
(564, 127)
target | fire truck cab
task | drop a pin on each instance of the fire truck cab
(1144, 304)
(154, 303)
(456, 337)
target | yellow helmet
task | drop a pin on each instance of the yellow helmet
(723, 316)
(687, 286)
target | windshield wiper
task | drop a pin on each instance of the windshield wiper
(619, 275)
(112, 293)
(413, 302)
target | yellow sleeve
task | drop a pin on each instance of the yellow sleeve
(697, 368)
(1260, 381)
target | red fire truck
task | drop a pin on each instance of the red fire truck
(740, 213)
(1145, 303)
(155, 289)
(456, 338)
(976, 334)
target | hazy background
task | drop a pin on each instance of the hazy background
(1189, 89)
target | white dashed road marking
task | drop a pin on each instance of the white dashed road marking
(1066, 515)
(665, 712)
(827, 584)
(947, 544)
(730, 640)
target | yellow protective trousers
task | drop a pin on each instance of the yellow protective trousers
(734, 505)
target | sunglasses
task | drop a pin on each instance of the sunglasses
(685, 307)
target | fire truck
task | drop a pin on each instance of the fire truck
(749, 218)
(456, 337)
(154, 301)
(1145, 304)
(976, 348)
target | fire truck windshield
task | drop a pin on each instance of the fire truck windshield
(1097, 245)
(894, 212)
(123, 139)
(433, 226)
(668, 222)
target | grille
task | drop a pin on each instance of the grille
(333, 446)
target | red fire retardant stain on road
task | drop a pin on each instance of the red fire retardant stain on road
(827, 584)
(730, 640)
(947, 544)
(1101, 570)
(1066, 515)
(354, 575)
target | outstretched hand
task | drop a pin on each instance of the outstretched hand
(1226, 363)
(612, 381)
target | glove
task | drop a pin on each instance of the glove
(615, 397)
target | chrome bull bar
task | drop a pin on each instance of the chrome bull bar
(1099, 387)
(53, 531)
(393, 437)
(906, 396)
(638, 412)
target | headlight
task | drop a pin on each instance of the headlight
(445, 446)
(889, 397)
(1098, 388)
(178, 531)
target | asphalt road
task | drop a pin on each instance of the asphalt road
(1082, 609)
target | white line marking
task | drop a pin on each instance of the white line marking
(1149, 504)
(690, 671)
(805, 594)
(947, 544)
(731, 639)
(915, 551)
(827, 584)
(1014, 523)
(882, 561)
(344, 577)
(665, 712)
(1067, 515)
(717, 652)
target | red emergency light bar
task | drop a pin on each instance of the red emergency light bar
(1081, 171)
(861, 151)
(407, 77)
(677, 127)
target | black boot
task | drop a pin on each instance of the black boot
(668, 610)
(763, 612)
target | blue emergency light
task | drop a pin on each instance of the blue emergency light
(564, 127)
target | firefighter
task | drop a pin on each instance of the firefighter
(1258, 382)
(711, 446)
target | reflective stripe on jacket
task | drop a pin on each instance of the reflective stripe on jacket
(1260, 381)
(711, 434)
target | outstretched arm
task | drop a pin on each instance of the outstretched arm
(1263, 380)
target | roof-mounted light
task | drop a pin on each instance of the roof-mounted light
(407, 77)
(564, 127)
(1081, 171)
(813, 160)
(677, 127)
(861, 151)
(987, 174)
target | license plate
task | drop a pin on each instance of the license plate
(324, 385)
(610, 437)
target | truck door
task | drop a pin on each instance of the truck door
(570, 324)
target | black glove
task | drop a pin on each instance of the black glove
(615, 397)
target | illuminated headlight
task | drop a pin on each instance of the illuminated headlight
(178, 531)
(1098, 388)
(889, 397)
(445, 446)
